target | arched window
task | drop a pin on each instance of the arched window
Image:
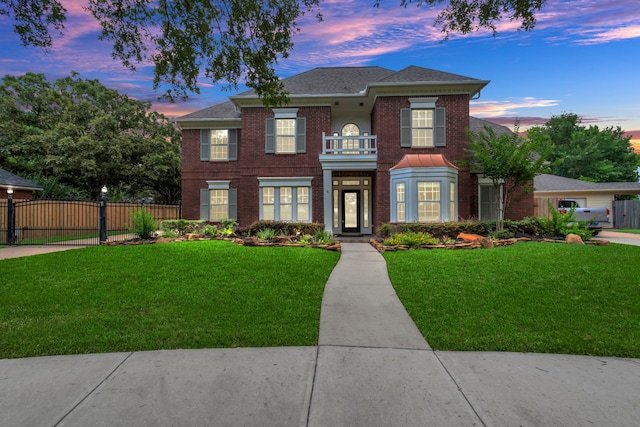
(350, 129)
(350, 145)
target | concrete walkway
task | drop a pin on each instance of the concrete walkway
(371, 368)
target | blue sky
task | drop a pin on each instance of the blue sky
(582, 57)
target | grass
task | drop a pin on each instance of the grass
(529, 297)
(165, 296)
(628, 230)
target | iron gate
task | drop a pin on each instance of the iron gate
(72, 222)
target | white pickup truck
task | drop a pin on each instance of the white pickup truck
(596, 217)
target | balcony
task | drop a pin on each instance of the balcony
(349, 145)
(349, 152)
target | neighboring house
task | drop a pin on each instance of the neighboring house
(355, 148)
(22, 189)
(587, 194)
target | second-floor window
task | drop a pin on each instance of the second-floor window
(285, 133)
(422, 125)
(218, 144)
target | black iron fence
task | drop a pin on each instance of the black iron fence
(73, 222)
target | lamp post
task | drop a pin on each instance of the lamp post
(11, 223)
(103, 214)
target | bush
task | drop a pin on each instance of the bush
(266, 235)
(181, 226)
(285, 228)
(385, 230)
(412, 239)
(143, 223)
(563, 224)
(324, 238)
(209, 230)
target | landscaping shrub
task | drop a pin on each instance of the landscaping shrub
(144, 225)
(266, 235)
(324, 238)
(181, 226)
(285, 228)
(412, 239)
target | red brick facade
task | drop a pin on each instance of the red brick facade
(252, 161)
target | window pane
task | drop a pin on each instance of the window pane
(365, 205)
(219, 145)
(422, 128)
(428, 211)
(303, 212)
(452, 202)
(268, 195)
(285, 135)
(400, 199)
(428, 201)
(429, 191)
(285, 212)
(400, 192)
(421, 118)
(335, 209)
(303, 195)
(218, 204)
(285, 195)
(350, 129)
(268, 212)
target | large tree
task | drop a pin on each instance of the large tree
(511, 162)
(589, 153)
(228, 41)
(82, 135)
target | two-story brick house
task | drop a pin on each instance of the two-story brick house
(355, 148)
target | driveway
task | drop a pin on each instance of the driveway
(616, 237)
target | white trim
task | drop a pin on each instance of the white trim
(218, 185)
(297, 181)
(285, 113)
(422, 103)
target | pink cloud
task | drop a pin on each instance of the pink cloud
(505, 108)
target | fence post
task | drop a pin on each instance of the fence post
(11, 218)
(103, 215)
(180, 209)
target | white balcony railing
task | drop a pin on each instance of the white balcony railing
(349, 145)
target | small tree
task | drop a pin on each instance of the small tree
(511, 162)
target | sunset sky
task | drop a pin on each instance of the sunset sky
(583, 57)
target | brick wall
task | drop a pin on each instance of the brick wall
(386, 124)
(253, 162)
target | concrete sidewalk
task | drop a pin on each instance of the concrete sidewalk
(371, 368)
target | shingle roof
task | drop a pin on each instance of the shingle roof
(423, 161)
(224, 110)
(7, 179)
(547, 182)
(419, 74)
(341, 81)
(476, 124)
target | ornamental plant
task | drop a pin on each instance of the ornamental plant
(144, 225)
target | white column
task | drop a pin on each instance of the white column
(328, 200)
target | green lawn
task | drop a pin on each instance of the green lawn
(162, 296)
(529, 297)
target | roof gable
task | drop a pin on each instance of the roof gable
(414, 74)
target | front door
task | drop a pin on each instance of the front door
(350, 211)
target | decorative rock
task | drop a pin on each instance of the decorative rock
(574, 239)
(469, 237)
(485, 242)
